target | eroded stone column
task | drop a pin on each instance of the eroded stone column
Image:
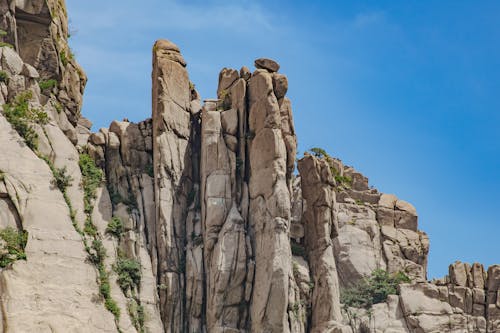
(172, 170)
(320, 228)
(227, 248)
(269, 205)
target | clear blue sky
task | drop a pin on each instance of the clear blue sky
(408, 92)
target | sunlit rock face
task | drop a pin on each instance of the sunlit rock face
(196, 219)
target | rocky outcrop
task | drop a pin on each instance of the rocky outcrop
(194, 220)
(269, 206)
(376, 231)
(172, 167)
(56, 287)
(321, 228)
(124, 152)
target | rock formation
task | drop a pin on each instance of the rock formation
(195, 220)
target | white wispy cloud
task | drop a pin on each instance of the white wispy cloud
(239, 16)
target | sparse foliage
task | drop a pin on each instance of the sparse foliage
(4, 77)
(47, 84)
(319, 152)
(129, 273)
(91, 179)
(14, 242)
(115, 227)
(21, 116)
(61, 179)
(373, 289)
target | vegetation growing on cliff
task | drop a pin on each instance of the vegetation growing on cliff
(129, 273)
(115, 227)
(4, 77)
(47, 84)
(13, 244)
(21, 116)
(61, 179)
(373, 289)
(137, 315)
(92, 177)
(319, 152)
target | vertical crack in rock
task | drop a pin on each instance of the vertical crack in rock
(226, 244)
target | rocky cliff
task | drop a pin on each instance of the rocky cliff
(195, 220)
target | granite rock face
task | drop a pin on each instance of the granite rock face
(195, 219)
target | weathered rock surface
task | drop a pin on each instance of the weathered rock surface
(172, 166)
(320, 228)
(199, 223)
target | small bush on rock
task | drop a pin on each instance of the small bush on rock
(91, 179)
(129, 273)
(47, 84)
(319, 152)
(373, 289)
(115, 227)
(20, 115)
(112, 307)
(2, 44)
(14, 243)
(4, 77)
(137, 315)
(61, 179)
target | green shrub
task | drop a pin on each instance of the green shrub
(111, 306)
(343, 180)
(57, 106)
(105, 290)
(61, 179)
(98, 252)
(63, 57)
(47, 85)
(115, 227)
(129, 273)
(66, 57)
(2, 176)
(2, 44)
(319, 152)
(89, 228)
(3, 33)
(373, 289)
(91, 179)
(137, 315)
(15, 242)
(4, 77)
(20, 115)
